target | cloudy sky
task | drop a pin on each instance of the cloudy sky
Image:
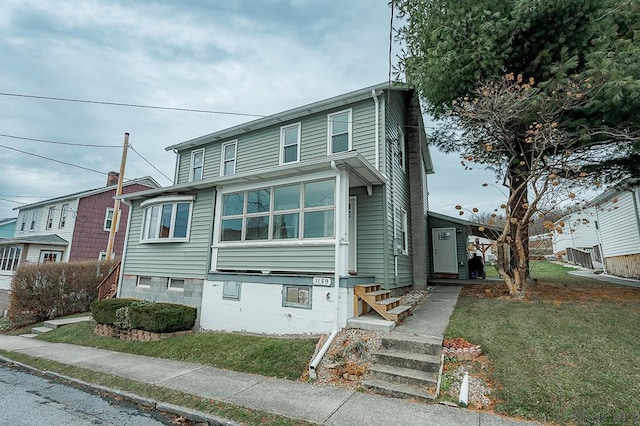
(236, 56)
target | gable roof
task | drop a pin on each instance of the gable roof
(281, 117)
(146, 180)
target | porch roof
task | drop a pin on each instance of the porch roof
(361, 171)
(50, 240)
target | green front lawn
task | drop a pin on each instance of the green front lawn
(562, 362)
(275, 357)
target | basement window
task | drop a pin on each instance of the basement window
(295, 296)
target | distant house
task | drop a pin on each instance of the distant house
(580, 232)
(68, 228)
(7, 227)
(618, 225)
(271, 224)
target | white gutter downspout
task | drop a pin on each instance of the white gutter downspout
(377, 126)
(313, 365)
(124, 248)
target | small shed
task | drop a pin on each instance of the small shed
(449, 238)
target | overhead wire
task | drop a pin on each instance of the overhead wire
(53, 159)
(149, 163)
(58, 142)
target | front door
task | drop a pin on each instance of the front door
(445, 254)
(352, 266)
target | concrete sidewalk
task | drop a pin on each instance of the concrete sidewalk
(590, 273)
(317, 404)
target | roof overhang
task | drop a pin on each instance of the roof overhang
(48, 240)
(362, 173)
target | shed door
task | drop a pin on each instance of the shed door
(445, 254)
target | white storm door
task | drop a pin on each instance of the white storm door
(352, 265)
(445, 255)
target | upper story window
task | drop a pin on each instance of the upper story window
(404, 231)
(52, 211)
(228, 160)
(23, 222)
(9, 257)
(167, 219)
(402, 150)
(290, 144)
(63, 215)
(197, 165)
(34, 217)
(108, 219)
(298, 211)
(339, 132)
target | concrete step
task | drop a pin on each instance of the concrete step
(373, 324)
(63, 321)
(398, 390)
(407, 376)
(413, 343)
(40, 330)
(411, 360)
(28, 336)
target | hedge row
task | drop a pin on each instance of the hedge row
(45, 291)
(144, 315)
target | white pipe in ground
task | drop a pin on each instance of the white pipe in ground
(314, 363)
(463, 400)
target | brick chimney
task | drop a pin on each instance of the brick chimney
(112, 178)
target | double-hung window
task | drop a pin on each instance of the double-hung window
(63, 215)
(339, 132)
(404, 231)
(23, 222)
(108, 219)
(9, 257)
(34, 217)
(197, 165)
(52, 211)
(402, 150)
(290, 144)
(297, 211)
(228, 160)
(167, 219)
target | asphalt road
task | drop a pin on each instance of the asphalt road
(30, 400)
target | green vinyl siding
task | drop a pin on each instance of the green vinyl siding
(173, 259)
(370, 233)
(313, 259)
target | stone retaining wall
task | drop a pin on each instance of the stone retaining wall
(135, 335)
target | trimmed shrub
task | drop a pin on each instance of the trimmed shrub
(49, 290)
(104, 311)
(144, 315)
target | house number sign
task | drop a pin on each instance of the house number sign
(322, 281)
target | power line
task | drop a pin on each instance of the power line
(53, 159)
(149, 163)
(12, 201)
(87, 101)
(58, 142)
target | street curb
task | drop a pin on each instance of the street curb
(187, 413)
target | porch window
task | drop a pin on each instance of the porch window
(52, 211)
(228, 160)
(280, 212)
(167, 221)
(9, 257)
(290, 144)
(339, 132)
(295, 296)
(197, 165)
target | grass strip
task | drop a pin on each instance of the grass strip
(285, 358)
(208, 406)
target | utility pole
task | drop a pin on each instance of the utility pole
(116, 203)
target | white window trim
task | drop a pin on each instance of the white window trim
(142, 285)
(160, 201)
(235, 157)
(64, 211)
(176, 289)
(192, 165)
(330, 130)
(106, 218)
(402, 150)
(282, 133)
(404, 231)
(51, 213)
(23, 223)
(43, 253)
(34, 220)
(102, 256)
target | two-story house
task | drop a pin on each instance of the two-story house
(270, 224)
(69, 228)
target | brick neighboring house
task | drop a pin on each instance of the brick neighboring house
(69, 228)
